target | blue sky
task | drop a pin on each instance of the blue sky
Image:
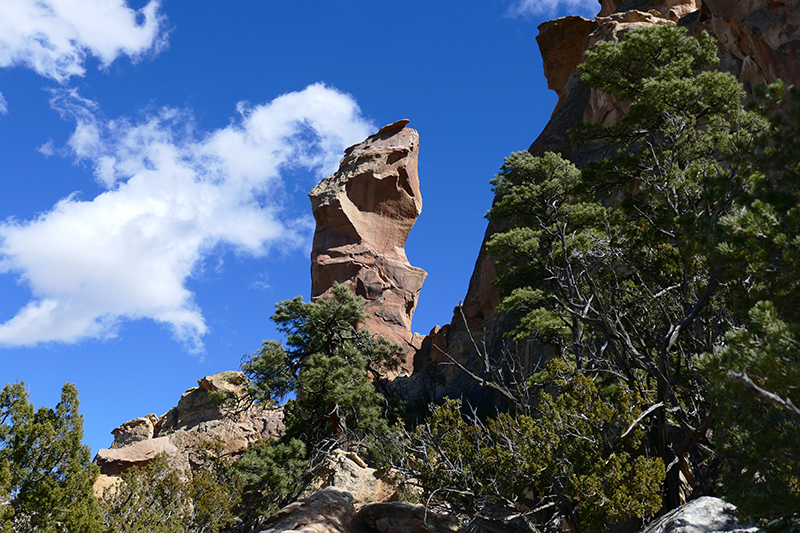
(157, 158)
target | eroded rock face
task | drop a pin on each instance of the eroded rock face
(400, 517)
(199, 418)
(364, 213)
(759, 42)
(347, 471)
(760, 37)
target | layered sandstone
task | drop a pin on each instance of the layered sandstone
(364, 213)
(199, 418)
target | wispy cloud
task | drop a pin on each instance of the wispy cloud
(552, 8)
(173, 196)
(3, 105)
(54, 37)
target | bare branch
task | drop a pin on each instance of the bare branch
(785, 404)
(642, 417)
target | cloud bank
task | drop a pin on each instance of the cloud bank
(588, 8)
(54, 37)
(172, 197)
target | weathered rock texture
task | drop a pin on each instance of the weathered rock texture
(347, 471)
(364, 213)
(402, 517)
(183, 430)
(330, 510)
(703, 515)
(759, 42)
(336, 510)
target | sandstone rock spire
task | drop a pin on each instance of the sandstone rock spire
(364, 213)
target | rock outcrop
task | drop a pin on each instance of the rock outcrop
(402, 517)
(347, 471)
(759, 42)
(330, 510)
(199, 418)
(364, 213)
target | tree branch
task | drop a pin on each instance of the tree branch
(786, 405)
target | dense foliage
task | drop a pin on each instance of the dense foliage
(553, 462)
(46, 476)
(663, 279)
(755, 375)
(327, 364)
(160, 498)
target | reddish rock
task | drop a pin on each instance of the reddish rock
(562, 42)
(364, 213)
(761, 37)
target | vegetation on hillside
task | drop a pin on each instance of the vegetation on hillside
(329, 364)
(664, 279)
(662, 282)
(46, 476)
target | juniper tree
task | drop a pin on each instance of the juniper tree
(46, 475)
(330, 364)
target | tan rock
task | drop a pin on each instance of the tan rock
(105, 485)
(133, 431)
(116, 460)
(198, 419)
(671, 9)
(330, 510)
(364, 213)
(405, 517)
(347, 471)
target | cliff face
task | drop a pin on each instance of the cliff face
(364, 213)
(759, 42)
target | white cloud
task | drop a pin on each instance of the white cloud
(551, 8)
(54, 37)
(3, 105)
(172, 197)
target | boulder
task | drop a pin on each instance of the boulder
(134, 430)
(330, 510)
(115, 461)
(347, 471)
(703, 515)
(364, 213)
(405, 517)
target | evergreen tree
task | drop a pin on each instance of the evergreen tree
(617, 266)
(46, 476)
(755, 375)
(330, 363)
